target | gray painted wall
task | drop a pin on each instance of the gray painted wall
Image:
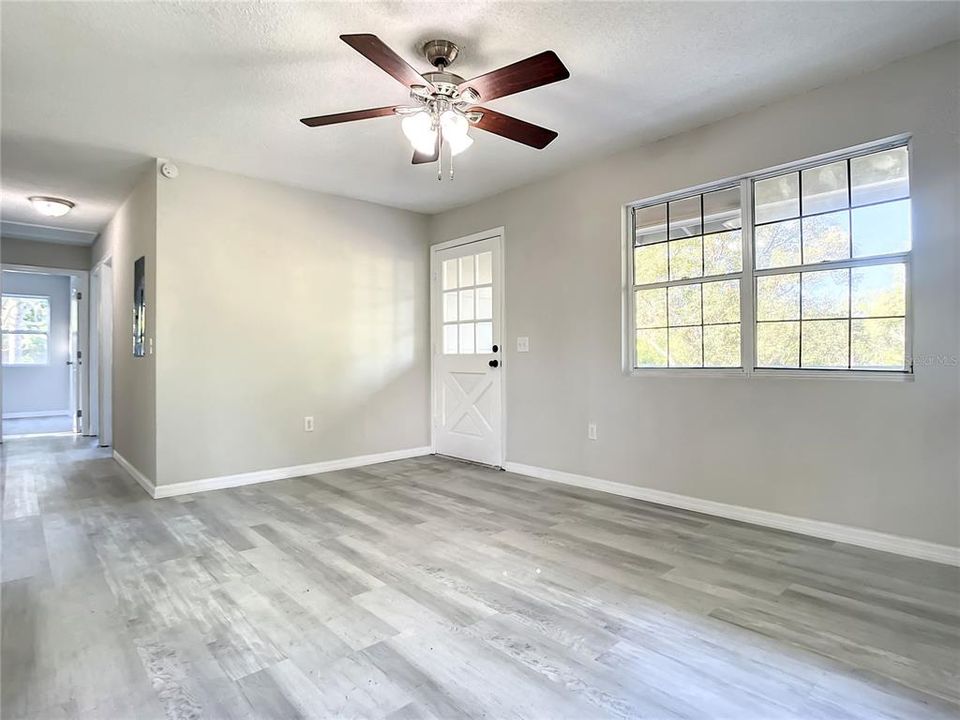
(132, 233)
(44, 254)
(872, 454)
(31, 389)
(277, 303)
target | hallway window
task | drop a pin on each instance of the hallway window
(26, 329)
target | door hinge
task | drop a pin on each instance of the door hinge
(79, 295)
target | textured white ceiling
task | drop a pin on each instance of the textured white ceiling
(91, 90)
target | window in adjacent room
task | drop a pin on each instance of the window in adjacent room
(26, 329)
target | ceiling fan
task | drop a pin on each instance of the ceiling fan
(446, 105)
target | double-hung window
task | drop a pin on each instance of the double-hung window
(687, 278)
(26, 329)
(804, 268)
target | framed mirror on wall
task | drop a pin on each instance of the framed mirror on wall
(139, 305)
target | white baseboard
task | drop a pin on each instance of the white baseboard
(228, 481)
(145, 482)
(872, 539)
(35, 414)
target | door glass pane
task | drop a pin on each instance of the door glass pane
(484, 268)
(650, 264)
(877, 344)
(721, 346)
(684, 305)
(449, 274)
(484, 337)
(778, 297)
(777, 198)
(826, 237)
(721, 210)
(879, 177)
(686, 258)
(466, 271)
(449, 339)
(651, 348)
(722, 253)
(879, 290)
(651, 308)
(778, 245)
(721, 301)
(825, 188)
(686, 347)
(881, 229)
(685, 217)
(466, 304)
(450, 307)
(484, 303)
(824, 343)
(825, 294)
(466, 338)
(778, 344)
(651, 224)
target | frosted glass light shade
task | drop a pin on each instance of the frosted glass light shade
(419, 131)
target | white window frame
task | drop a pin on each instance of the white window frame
(30, 296)
(749, 275)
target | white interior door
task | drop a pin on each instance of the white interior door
(467, 373)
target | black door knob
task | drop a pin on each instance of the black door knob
(496, 348)
(494, 363)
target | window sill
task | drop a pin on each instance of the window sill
(882, 375)
(726, 373)
(687, 372)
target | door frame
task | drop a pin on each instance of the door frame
(81, 280)
(436, 314)
(101, 351)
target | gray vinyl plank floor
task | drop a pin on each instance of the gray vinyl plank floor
(427, 588)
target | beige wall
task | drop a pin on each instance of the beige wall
(44, 254)
(132, 233)
(277, 303)
(873, 454)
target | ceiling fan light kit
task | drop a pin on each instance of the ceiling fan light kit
(445, 105)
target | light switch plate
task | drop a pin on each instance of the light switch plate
(523, 344)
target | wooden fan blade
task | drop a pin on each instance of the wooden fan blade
(514, 129)
(377, 52)
(421, 158)
(535, 71)
(347, 116)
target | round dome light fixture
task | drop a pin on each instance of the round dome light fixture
(51, 206)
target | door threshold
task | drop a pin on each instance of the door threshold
(468, 462)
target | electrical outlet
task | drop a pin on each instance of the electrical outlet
(591, 431)
(523, 344)
(308, 423)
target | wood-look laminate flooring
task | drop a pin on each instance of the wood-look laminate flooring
(431, 589)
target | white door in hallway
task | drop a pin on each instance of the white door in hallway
(467, 351)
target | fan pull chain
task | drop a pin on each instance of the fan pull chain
(439, 154)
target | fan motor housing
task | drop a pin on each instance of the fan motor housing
(440, 53)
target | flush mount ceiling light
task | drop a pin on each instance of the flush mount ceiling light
(446, 104)
(51, 206)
